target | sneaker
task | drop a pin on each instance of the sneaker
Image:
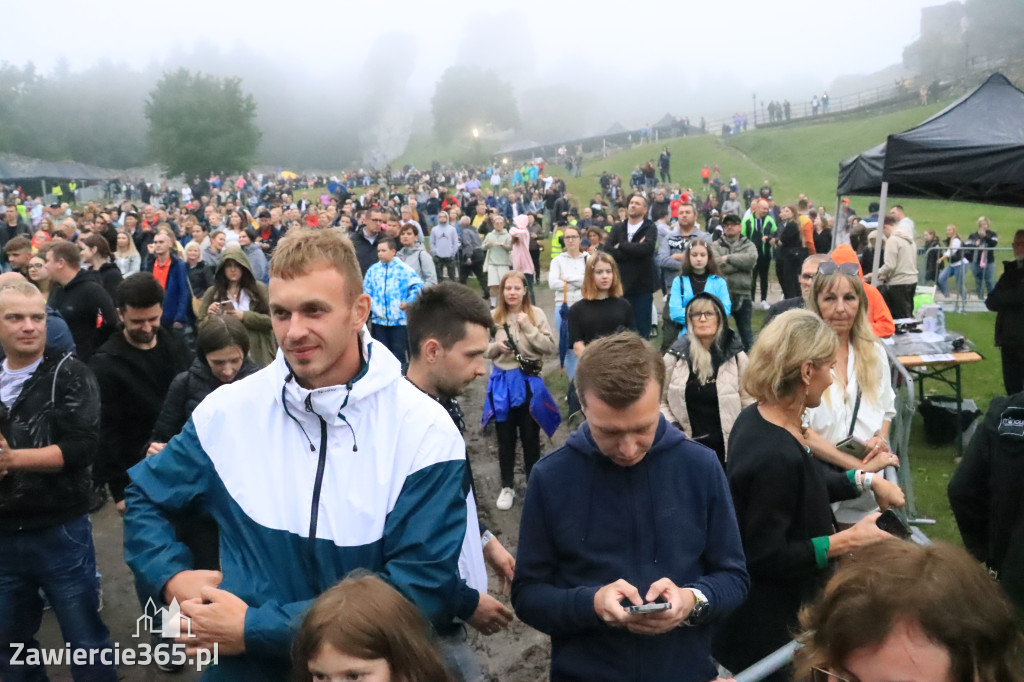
(505, 499)
(765, 305)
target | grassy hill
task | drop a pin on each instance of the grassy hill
(801, 159)
(805, 159)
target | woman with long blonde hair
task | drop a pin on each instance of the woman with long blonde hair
(517, 399)
(860, 403)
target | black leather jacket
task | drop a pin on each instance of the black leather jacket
(58, 405)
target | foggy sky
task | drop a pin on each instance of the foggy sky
(342, 64)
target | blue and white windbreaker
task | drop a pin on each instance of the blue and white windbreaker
(306, 486)
(389, 285)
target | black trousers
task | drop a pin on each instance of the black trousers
(472, 267)
(761, 269)
(522, 426)
(1013, 368)
(899, 298)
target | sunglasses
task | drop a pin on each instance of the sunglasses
(830, 266)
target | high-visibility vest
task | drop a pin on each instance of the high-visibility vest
(556, 244)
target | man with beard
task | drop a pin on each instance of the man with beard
(134, 368)
(632, 243)
(449, 330)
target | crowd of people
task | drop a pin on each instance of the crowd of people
(268, 393)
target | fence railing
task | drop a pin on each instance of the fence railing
(983, 280)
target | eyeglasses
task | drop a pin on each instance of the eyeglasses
(830, 266)
(34, 266)
(819, 675)
(571, 236)
(704, 315)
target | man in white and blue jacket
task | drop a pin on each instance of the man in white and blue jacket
(392, 286)
(325, 461)
(629, 512)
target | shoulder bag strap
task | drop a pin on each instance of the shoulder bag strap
(856, 409)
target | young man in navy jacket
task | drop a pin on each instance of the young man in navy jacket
(628, 512)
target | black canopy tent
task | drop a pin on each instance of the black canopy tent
(973, 150)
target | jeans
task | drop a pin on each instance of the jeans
(641, 312)
(60, 560)
(986, 277)
(459, 658)
(741, 312)
(394, 337)
(955, 271)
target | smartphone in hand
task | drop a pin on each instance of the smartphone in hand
(649, 608)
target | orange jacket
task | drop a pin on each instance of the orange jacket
(807, 227)
(878, 312)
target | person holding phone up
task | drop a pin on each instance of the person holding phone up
(629, 513)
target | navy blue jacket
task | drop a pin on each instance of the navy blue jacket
(177, 299)
(588, 522)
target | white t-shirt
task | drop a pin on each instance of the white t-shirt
(632, 229)
(12, 381)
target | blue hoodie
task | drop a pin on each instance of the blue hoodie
(588, 522)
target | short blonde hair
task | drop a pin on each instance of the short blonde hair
(20, 286)
(793, 338)
(304, 248)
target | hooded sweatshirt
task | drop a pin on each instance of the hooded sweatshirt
(900, 264)
(417, 258)
(262, 343)
(370, 474)
(588, 522)
(878, 312)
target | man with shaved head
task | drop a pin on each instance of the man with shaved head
(58, 334)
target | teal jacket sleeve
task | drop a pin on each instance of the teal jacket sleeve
(423, 538)
(162, 485)
(718, 287)
(676, 310)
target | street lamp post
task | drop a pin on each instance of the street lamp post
(753, 99)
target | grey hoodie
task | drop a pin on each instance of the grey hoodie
(417, 258)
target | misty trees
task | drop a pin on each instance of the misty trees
(93, 116)
(468, 97)
(199, 124)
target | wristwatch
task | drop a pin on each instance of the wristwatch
(699, 608)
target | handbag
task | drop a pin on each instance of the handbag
(197, 301)
(531, 368)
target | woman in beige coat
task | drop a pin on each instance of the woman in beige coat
(704, 372)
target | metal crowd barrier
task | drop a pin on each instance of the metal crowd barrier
(959, 288)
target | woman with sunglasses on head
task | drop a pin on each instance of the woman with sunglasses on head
(860, 402)
(699, 275)
(782, 495)
(704, 373)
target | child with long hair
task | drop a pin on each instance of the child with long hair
(362, 628)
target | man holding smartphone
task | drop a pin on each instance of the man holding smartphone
(629, 513)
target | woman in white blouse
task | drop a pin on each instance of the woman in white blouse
(860, 402)
(565, 279)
